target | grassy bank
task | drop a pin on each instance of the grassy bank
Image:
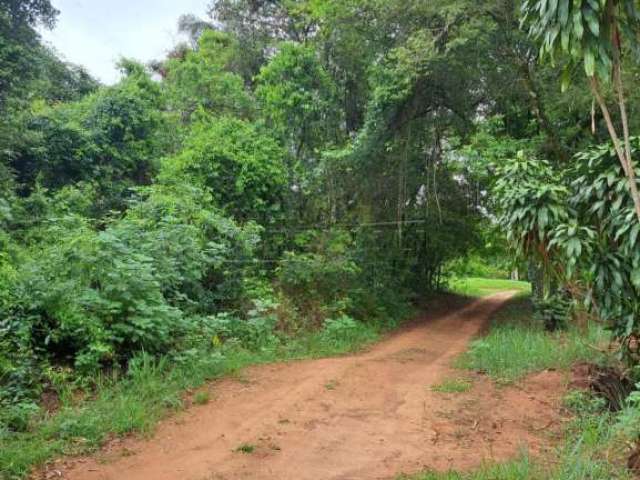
(149, 391)
(517, 345)
(596, 441)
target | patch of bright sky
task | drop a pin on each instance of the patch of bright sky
(96, 33)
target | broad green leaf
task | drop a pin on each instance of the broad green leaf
(578, 28)
(592, 21)
(565, 79)
(589, 63)
(563, 12)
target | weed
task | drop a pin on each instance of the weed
(582, 402)
(331, 385)
(201, 397)
(246, 448)
(452, 385)
(520, 469)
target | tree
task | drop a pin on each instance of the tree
(596, 34)
(111, 137)
(202, 78)
(240, 165)
(19, 42)
(531, 203)
(297, 97)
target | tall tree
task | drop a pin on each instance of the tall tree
(596, 34)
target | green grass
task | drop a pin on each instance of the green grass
(151, 390)
(246, 448)
(331, 385)
(593, 449)
(520, 469)
(482, 287)
(201, 397)
(517, 345)
(452, 385)
(595, 440)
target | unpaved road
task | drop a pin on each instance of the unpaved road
(366, 416)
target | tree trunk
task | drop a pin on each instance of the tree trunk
(626, 162)
(536, 278)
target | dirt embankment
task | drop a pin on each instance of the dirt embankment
(366, 416)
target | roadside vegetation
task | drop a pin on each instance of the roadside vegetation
(452, 385)
(595, 440)
(594, 447)
(517, 344)
(152, 388)
(294, 178)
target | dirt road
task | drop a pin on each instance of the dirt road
(366, 416)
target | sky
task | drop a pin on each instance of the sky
(96, 33)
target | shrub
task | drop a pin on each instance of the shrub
(553, 311)
(95, 298)
(319, 278)
(344, 331)
(254, 332)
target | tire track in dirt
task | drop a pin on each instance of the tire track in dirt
(365, 416)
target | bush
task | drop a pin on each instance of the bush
(344, 332)
(92, 298)
(319, 282)
(553, 311)
(254, 332)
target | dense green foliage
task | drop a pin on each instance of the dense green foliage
(301, 170)
(243, 197)
(577, 223)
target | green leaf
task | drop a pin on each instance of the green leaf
(589, 63)
(565, 37)
(595, 6)
(634, 234)
(565, 80)
(578, 28)
(592, 22)
(563, 12)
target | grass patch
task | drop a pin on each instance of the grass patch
(331, 385)
(152, 389)
(517, 345)
(201, 397)
(246, 448)
(452, 385)
(520, 469)
(596, 440)
(594, 449)
(482, 287)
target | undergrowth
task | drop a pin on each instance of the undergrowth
(596, 441)
(521, 469)
(593, 449)
(452, 385)
(151, 389)
(517, 345)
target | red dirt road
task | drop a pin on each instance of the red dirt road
(367, 416)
